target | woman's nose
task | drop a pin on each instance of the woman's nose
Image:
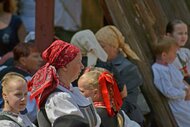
(82, 66)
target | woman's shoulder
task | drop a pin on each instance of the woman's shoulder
(72, 95)
(59, 94)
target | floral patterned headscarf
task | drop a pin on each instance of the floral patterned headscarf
(45, 80)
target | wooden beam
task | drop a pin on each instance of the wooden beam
(106, 12)
(92, 15)
(44, 23)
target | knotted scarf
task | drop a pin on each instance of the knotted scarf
(45, 80)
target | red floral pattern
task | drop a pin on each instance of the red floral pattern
(45, 80)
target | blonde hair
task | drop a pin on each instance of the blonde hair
(11, 77)
(108, 92)
(164, 45)
(112, 36)
(92, 76)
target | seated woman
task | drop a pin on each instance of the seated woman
(12, 30)
(119, 56)
(52, 89)
(101, 87)
(15, 97)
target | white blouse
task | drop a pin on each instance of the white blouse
(169, 82)
(71, 102)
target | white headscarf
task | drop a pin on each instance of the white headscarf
(89, 46)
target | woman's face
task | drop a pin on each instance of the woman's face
(74, 67)
(110, 50)
(16, 96)
(180, 33)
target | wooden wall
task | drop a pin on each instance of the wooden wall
(142, 22)
(92, 15)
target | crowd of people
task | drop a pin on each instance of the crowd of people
(87, 80)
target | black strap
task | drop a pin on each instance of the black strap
(43, 120)
(5, 117)
(183, 63)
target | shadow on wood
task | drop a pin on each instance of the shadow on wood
(142, 22)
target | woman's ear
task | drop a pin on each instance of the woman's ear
(22, 61)
(65, 69)
(4, 96)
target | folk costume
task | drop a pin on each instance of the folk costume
(45, 83)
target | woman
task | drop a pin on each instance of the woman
(51, 85)
(113, 42)
(12, 30)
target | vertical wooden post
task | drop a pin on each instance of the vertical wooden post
(44, 23)
(92, 15)
(106, 12)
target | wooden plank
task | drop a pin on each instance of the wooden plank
(44, 23)
(136, 20)
(106, 12)
(92, 15)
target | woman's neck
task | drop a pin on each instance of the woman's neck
(63, 78)
(64, 83)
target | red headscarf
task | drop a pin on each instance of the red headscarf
(45, 80)
(110, 93)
